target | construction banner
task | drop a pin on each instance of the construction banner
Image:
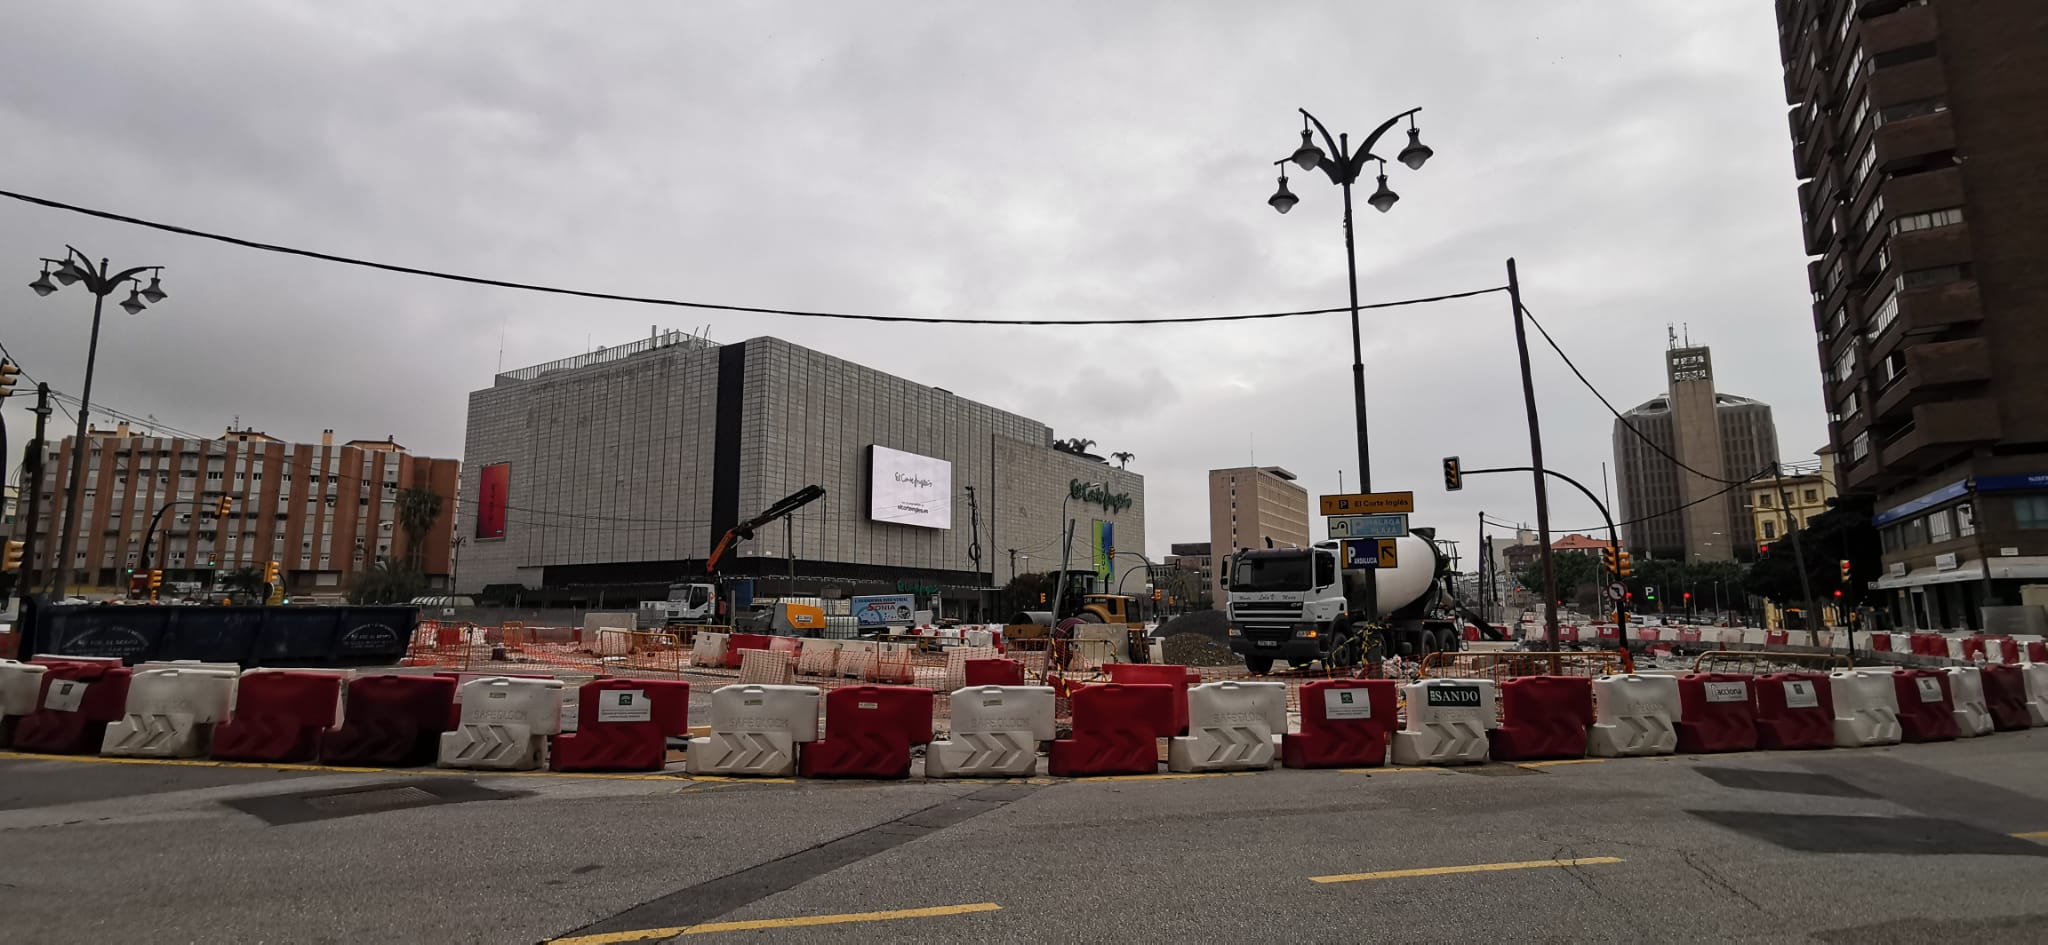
(1103, 540)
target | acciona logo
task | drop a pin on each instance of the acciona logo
(1459, 697)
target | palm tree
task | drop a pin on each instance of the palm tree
(243, 582)
(1123, 458)
(387, 581)
(1081, 445)
(417, 510)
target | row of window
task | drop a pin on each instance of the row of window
(1942, 525)
(1926, 221)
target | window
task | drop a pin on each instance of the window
(1901, 56)
(1844, 366)
(1811, 496)
(1893, 368)
(1940, 526)
(1770, 530)
(1938, 275)
(1966, 520)
(2030, 511)
(1859, 447)
(1862, 112)
(1846, 409)
(1887, 312)
(1916, 532)
(1863, 166)
(1763, 500)
(1926, 221)
(1905, 110)
(1868, 223)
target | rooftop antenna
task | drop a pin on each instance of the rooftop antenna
(1671, 334)
(1688, 334)
(501, 345)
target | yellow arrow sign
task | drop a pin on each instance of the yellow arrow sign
(1388, 557)
(1368, 503)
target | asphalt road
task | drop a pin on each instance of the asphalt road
(1908, 844)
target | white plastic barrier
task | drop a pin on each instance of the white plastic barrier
(504, 725)
(171, 712)
(768, 667)
(981, 636)
(1634, 715)
(1955, 647)
(1866, 708)
(1447, 721)
(818, 657)
(755, 730)
(996, 731)
(956, 663)
(1231, 727)
(708, 649)
(1966, 689)
(21, 686)
(1754, 636)
(2035, 677)
(611, 641)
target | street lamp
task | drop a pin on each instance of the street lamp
(1343, 166)
(101, 281)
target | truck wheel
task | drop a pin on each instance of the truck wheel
(1259, 665)
(1344, 647)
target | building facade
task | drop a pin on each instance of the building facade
(615, 473)
(1917, 140)
(1672, 510)
(1780, 504)
(1194, 559)
(323, 511)
(1250, 506)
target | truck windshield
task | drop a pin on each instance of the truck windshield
(1286, 572)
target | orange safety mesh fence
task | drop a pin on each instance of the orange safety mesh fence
(1505, 665)
(1760, 662)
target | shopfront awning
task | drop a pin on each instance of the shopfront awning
(2002, 569)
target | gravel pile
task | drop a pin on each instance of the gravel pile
(1210, 623)
(1196, 649)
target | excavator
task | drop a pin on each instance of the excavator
(697, 603)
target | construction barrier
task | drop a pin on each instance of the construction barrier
(739, 643)
(1501, 666)
(2005, 697)
(1689, 635)
(1755, 636)
(279, 715)
(1169, 675)
(1634, 715)
(391, 721)
(1759, 663)
(1231, 726)
(708, 648)
(993, 672)
(1447, 722)
(818, 657)
(957, 659)
(504, 724)
(1966, 692)
(1116, 731)
(1345, 723)
(892, 664)
(623, 725)
(1866, 708)
(1542, 717)
(79, 699)
(1926, 709)
(1794, 710)
(869, 731)
(1715, 713)
(21, 691)
(755, 730)
(171, 711)
(996, 731)
(2037, 651)
(2034, 677)
(768, 667)
(1879, 642)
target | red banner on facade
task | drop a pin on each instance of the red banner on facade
(490, 500)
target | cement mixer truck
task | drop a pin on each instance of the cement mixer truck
(1298, 605)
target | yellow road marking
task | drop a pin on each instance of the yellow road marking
(1561, 761)
(1396, 769)
(1171, 777)
(1478, 868)
(344, 769)
(709, 928)
(2034, 835)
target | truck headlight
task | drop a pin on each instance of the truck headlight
(1304, 634)
(1233, 631)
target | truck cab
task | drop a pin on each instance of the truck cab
(1300, 605)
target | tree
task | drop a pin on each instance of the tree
(1123, 458)
(245, 582)
(1842, 533)
(417, 510)
(387, 581)
(1023, 593)
(1575, 571)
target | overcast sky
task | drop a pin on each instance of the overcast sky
(1047, 160)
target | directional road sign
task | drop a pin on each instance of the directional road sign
(1369, 553)
(1368, 503)
(1368, 526)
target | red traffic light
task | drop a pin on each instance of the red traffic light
(1688, 595)
(1838, 593)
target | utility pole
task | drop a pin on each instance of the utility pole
(974, 550)
(1798, 554)
(1013, 564)
(32, 483)
(1536, 462)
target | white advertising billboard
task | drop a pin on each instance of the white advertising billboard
(908, 489)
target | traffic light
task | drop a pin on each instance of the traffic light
(10, 560)
(1845, 574)
(1763, 549)
(1041, 597)
(156, 581)
(1628, 566)
(220, 507)
(1688, 595)
(1838, 592)
(8, 372)
(1610, 561)
(1156, 594)
(1454, 478)
(270, 572)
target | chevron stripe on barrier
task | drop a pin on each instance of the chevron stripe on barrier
(983, 754)
(497, 746)
(882, 753)
(1118, 752)
(768, 754)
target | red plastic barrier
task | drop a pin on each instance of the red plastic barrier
(1355, 737)
(611, 734)
(1543, 717)
(1926, 707)
(2008, 650)
(391, 721)
(1777, 637)
(2005, 695)
(994, 673)
(1880, 642)
(1609, 634)
(279, 717)
(1179, 677)
(1689, 636)
(1930, 644)
(1567, 635)
(868, 732)
(1794, 710)
(1973, 647)
(2037, 652)
(739, 642)
(445, 635)
(78, 723)
(1116, 731)
(1715, 713)
(1471, 633)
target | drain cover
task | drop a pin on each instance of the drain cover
(280, 809)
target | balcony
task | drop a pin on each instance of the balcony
(1939, 308)
(1930, 190)
(1940, 429)
(1925, 249)
(1907, 82)
(1897, 30)
(1930, 366)
(1901, 142)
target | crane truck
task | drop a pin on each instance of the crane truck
(1299, 605)
(697, 603)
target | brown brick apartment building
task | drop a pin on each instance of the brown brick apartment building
(1919, 138)
(323, 511)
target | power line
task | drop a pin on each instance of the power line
(1661, 451)
(710, 306)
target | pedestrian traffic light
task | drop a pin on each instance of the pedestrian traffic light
(1454, 478)
(1628, 566)
(1845, 574)
(10, 560)
(8, 372)
(220, 507)
(1763, 549)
